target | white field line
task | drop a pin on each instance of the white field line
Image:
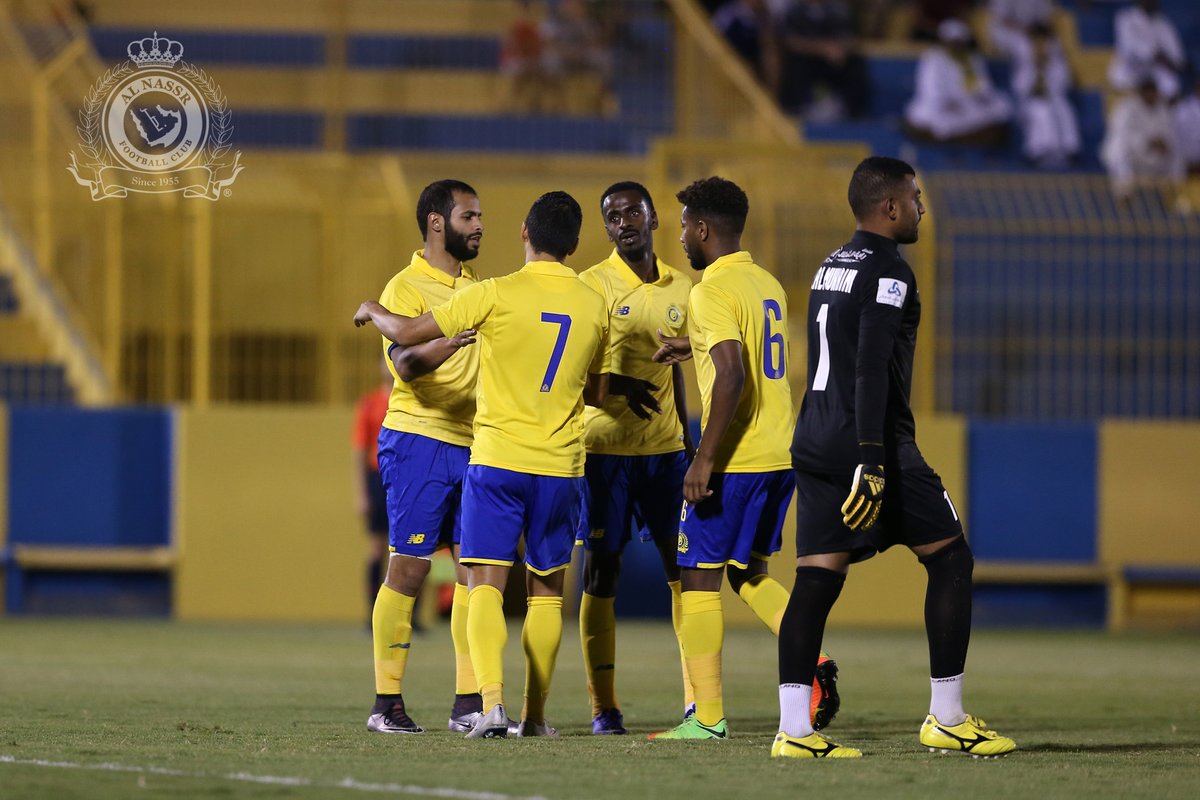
(279, 780)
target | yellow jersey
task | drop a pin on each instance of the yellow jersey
(737, 300)
(637, 310)
(540, 332)
(441, 404)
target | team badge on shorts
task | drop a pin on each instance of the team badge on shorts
(155, 124)
(682, 546)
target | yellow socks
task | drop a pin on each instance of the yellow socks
(540, 637)
(391, 632)
(676, 616)
(598, 635)
(767, 599)
(702, 631)
(464, 675)
(487, 634)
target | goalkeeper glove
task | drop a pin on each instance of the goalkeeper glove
(866, 497)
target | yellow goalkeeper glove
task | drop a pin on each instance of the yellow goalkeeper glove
(861, 508)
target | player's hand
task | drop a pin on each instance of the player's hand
(363, 315)
(695, 482)
(861, 508)
(637, 392)
(674, 350)
(462, 338)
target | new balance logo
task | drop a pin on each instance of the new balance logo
(622, 311)
(400, 646)
(416, 538)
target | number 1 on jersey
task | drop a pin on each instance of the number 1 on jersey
(564, 327)
(821, 377)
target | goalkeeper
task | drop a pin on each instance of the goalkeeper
(856, 433)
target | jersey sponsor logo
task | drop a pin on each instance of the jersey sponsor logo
(683, 543)
(891, 292)
(622, 311)
(416, 538)
(834, 279)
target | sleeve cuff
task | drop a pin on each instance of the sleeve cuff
(870, 453)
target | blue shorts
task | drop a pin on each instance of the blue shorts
(423, 478)
(742, 519)
(499, 505)
(628, 493)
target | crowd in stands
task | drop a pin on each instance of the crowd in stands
(809, 54)
(550, 44)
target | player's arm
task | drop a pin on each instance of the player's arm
(408, 331)
(674, 349)
(728, 381)
(877, 326)
(422, 359)
(681, 409)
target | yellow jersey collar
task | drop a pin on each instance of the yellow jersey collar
(429, 270)
(549, 268)
(741, 257)
(630, 277)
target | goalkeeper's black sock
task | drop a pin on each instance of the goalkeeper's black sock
(948, 607)
(803, 625)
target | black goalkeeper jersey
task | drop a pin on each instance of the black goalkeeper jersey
(863, 314)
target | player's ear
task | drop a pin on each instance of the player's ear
(890, 208)
(524, 232)
(702, 230)
(653, 220)
(435, 221)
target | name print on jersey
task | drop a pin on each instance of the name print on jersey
(834, 279)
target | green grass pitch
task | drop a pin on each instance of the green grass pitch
(121, 709)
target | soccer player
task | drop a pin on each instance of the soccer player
(739, 484)
(635, 466)
(423, 451)
(855, 431)
(542, 336)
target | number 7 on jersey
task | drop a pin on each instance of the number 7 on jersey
(563, 322)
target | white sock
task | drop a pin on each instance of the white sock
(795, 709)
(945, 700)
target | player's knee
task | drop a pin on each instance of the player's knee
(955, 554)
(406, 574)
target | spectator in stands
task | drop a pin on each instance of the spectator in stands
(575, 47)
(530, 86)
(1010, 21)
(929, 14)
(955, 99)
(1139, 147)
(749, 29)
(1187, 127)
(820, 52)
(1146, 41)
(1042, 82)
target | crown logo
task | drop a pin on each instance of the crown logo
(154, 51)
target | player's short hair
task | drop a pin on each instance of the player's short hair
(717, 201)
(553, 223)
(438, 198)
(873, 181)
(628, 186)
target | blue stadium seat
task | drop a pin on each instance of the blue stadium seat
(23, 383)
(222, 47)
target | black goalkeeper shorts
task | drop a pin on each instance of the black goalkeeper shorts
(916, 510)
